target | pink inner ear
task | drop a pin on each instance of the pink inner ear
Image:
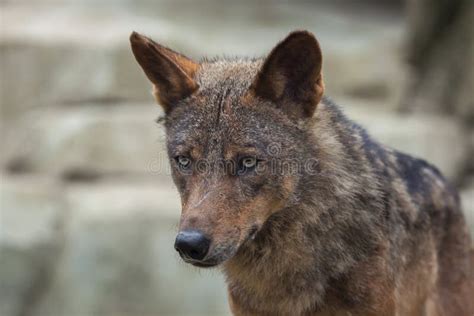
(171, 73)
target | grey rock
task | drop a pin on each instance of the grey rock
(32, 213)
(87, 139)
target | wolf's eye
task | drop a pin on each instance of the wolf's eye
(183, 161)
(247, 163)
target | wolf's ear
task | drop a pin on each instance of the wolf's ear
(171, 73)
(291, 75)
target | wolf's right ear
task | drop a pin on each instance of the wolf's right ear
(170, 72)
(291, 75)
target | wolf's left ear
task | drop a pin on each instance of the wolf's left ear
(291, 75)
(171, 73)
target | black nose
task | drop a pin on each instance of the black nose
(192, 244)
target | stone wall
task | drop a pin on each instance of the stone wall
(88, 210)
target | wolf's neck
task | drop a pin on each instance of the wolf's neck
(294, 262)
(281, 254)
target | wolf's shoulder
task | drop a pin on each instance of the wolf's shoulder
(395, 170)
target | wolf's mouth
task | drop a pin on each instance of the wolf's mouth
(200, 264)
(204, 264)
(253, 232)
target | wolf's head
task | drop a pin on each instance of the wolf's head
(238, 138)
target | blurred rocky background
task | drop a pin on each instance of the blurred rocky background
(88, 210)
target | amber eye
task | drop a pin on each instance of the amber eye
(183, 162)
(247, 163)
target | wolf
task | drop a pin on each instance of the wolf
(302, 210)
